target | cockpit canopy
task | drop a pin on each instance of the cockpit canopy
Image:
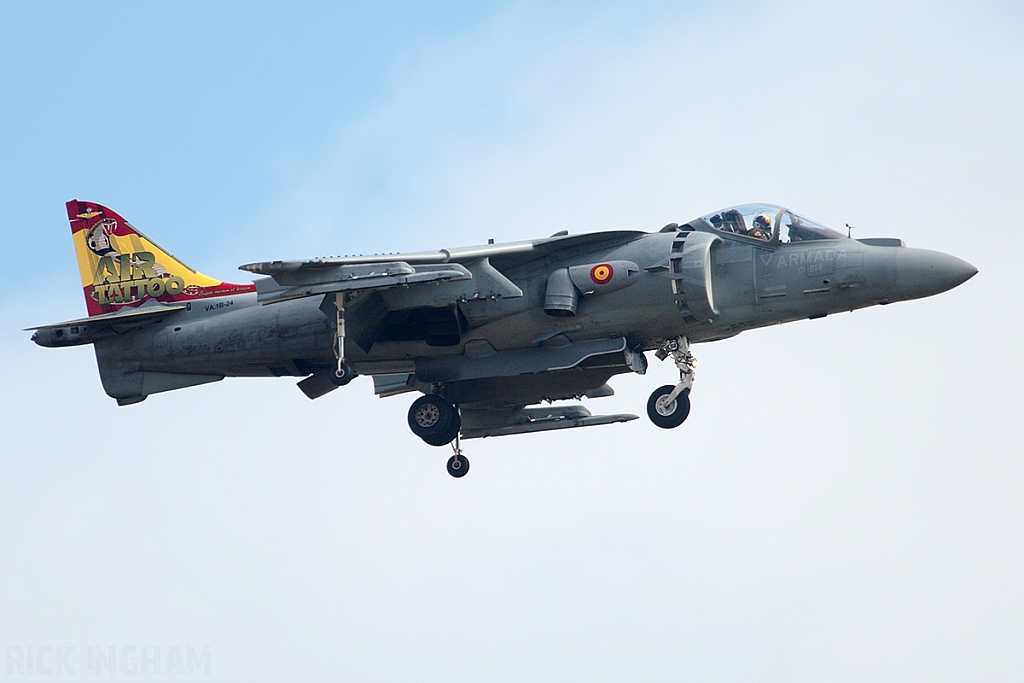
(769, 222)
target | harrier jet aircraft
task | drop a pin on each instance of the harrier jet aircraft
(490, 335)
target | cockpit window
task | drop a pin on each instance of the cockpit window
(752, 220)
(799, 229)
(769, 222)
(730, 220)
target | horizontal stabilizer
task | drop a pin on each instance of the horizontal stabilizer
(125, 315)
(88, 330)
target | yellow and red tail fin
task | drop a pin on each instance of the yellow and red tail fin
(122, 267)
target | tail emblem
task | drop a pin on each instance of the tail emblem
(120, 266)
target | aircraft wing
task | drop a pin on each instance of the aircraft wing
(470, 265)
(517, 252)
(296, 282)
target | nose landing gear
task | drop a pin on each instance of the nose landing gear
(665, 411)
(669, 406)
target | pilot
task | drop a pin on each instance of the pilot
(762, 227)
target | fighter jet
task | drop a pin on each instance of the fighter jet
(492, 336)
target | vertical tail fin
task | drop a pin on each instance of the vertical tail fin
(122, 267)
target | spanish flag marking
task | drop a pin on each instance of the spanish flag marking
(602, 273)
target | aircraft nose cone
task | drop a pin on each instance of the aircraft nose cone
(921, 272)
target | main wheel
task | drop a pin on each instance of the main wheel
(342, 378)
(458, 465)
(668, 414)
(431, 418)
(445, 438)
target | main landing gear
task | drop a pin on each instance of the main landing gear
(458, 464)
(669, 406)
(438, 422)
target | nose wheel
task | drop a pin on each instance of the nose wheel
(665, 411)
(669, 406)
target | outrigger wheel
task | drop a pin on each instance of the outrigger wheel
(434, 420)
(343, 374)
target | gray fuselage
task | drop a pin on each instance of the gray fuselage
(753, 283)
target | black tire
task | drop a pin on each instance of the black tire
(458, 466)
(672, 415)
(430, 417)
(447, 437)
(346, 375)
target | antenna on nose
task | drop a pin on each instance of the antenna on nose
(849, 230)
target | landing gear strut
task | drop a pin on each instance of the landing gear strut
(438, 422)
(458, 464)
(669, 406)
(344, 373)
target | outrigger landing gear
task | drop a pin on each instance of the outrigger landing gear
(669, 406)
(344, 373)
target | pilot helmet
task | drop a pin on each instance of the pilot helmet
(763, 221)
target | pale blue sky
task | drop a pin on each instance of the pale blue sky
(843, 503)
